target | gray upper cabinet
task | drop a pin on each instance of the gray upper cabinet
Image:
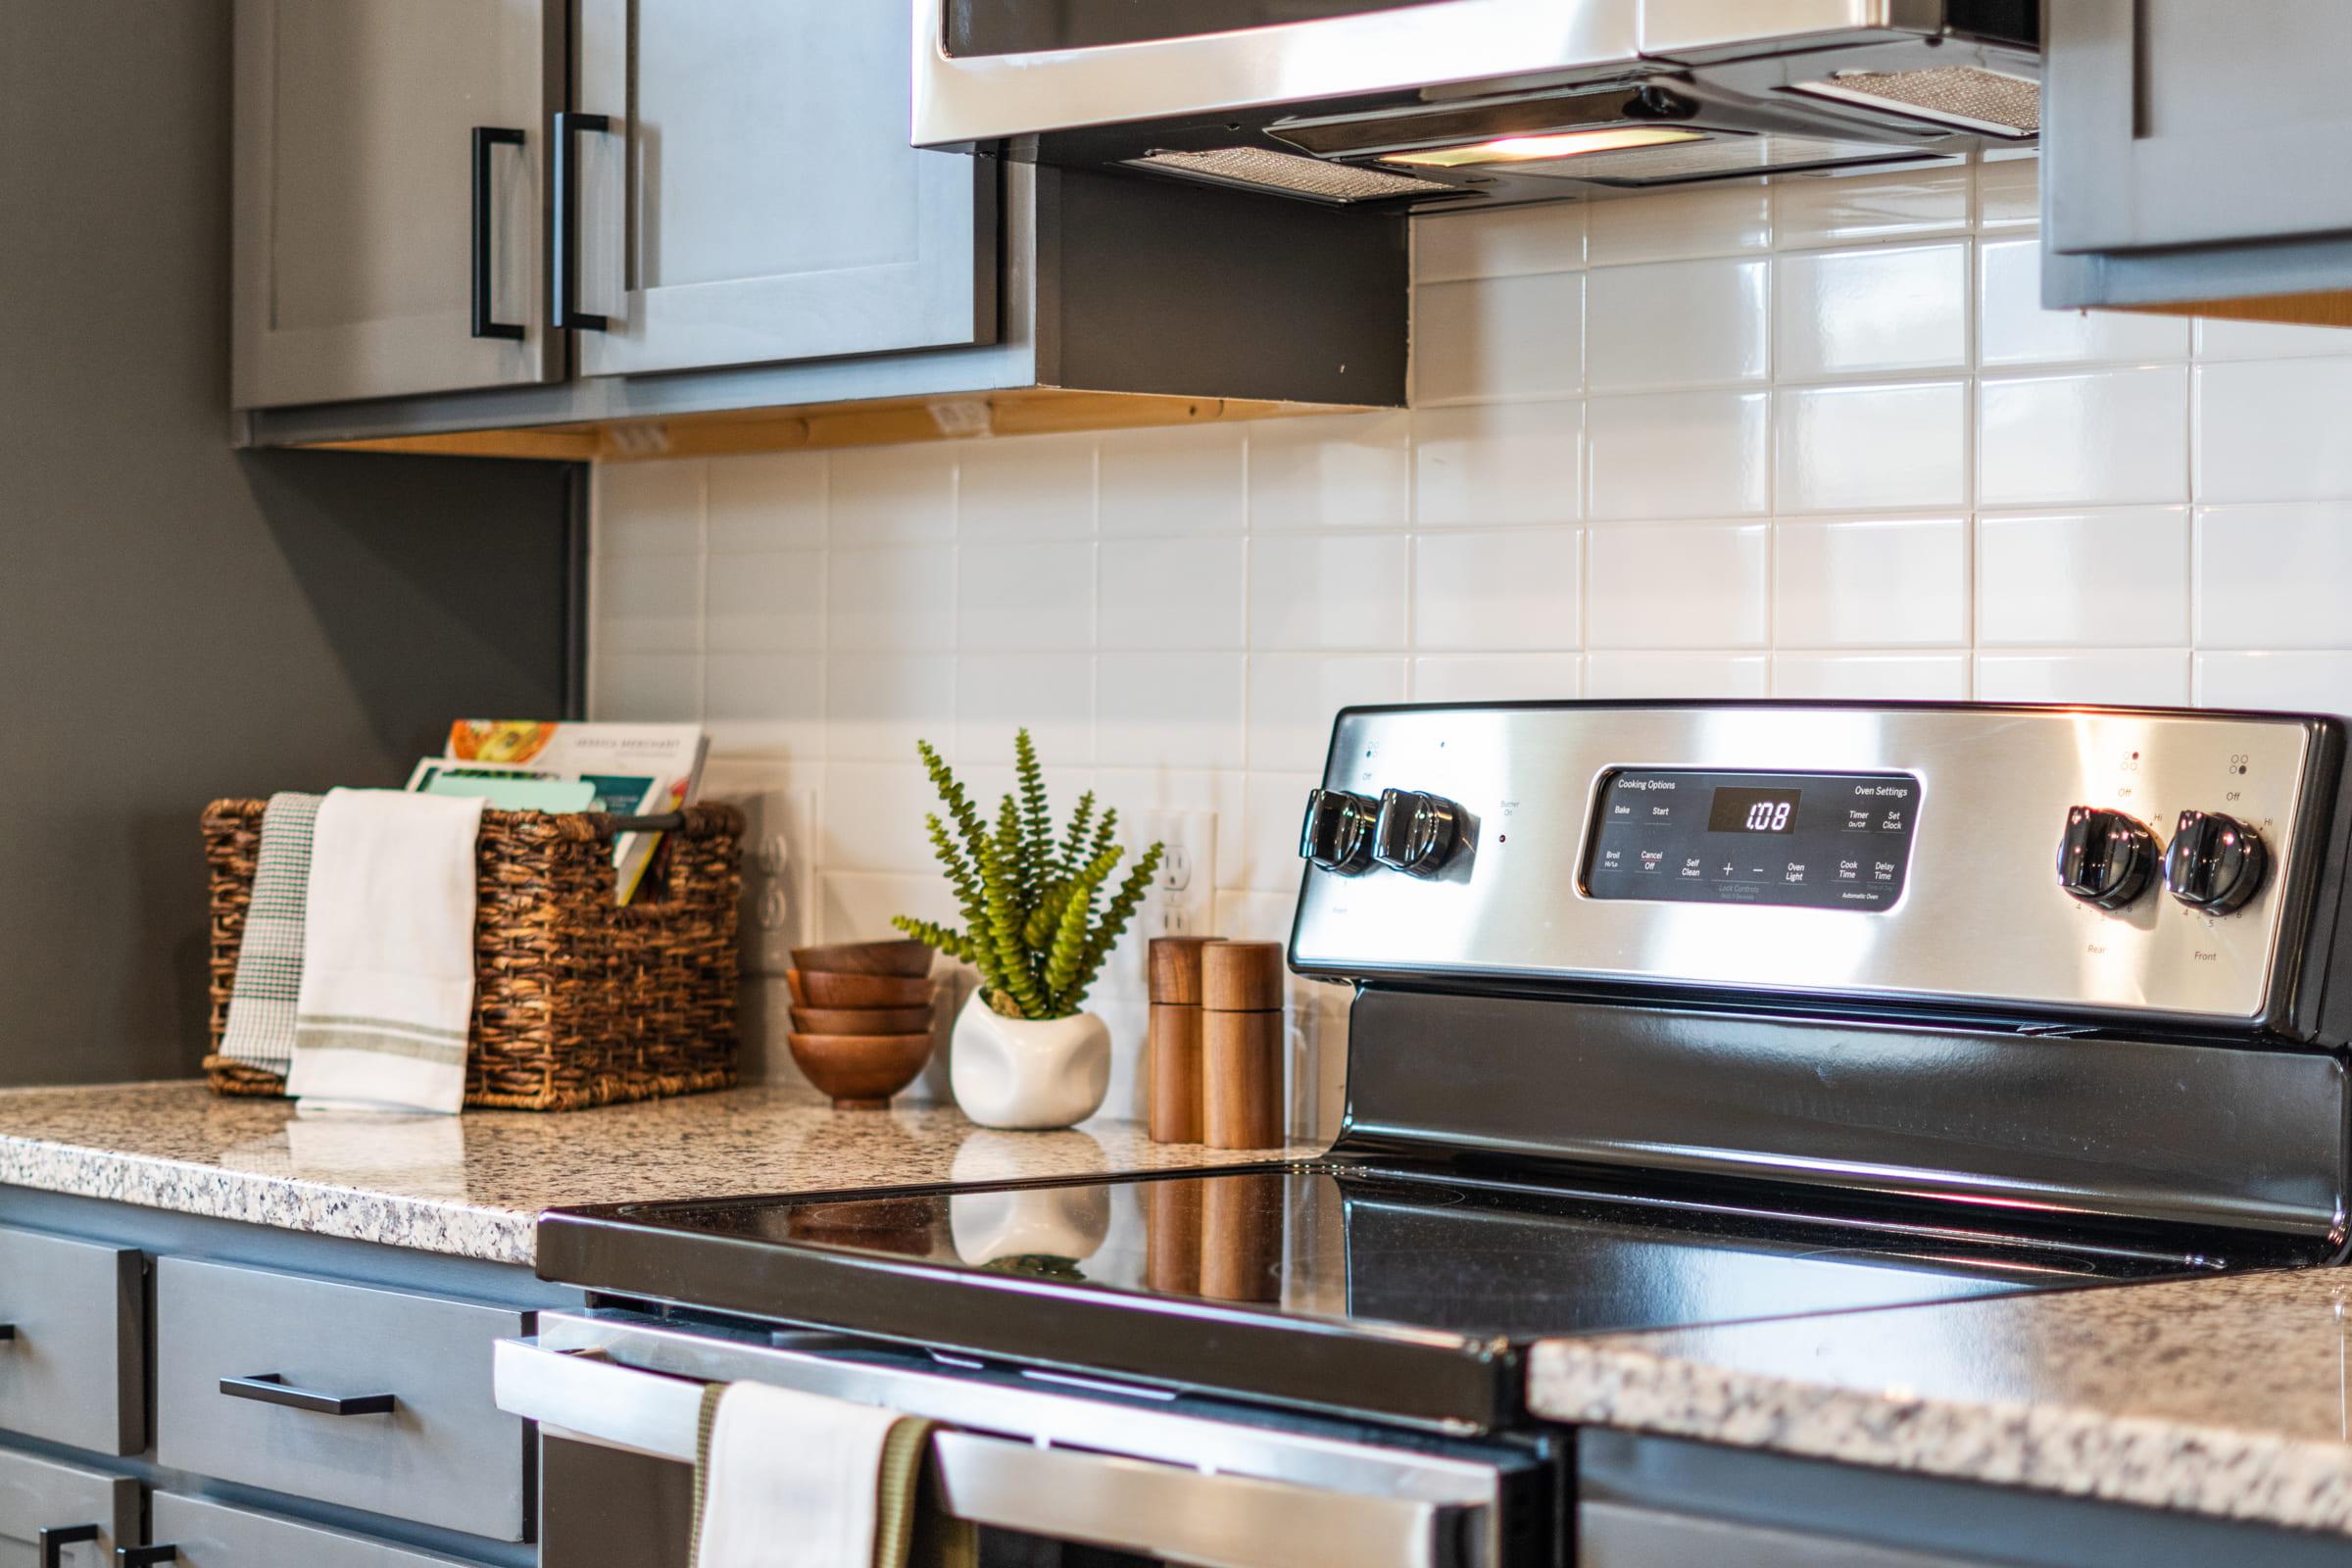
(752, 197)
(2198, 154)
(355, 226)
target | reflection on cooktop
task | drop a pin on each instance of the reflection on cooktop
(1466, 1260)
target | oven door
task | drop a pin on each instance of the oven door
(1139, 1476)
(988, 70)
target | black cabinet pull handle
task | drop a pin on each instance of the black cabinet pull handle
(567, 311)
(486, 137)
(268, 1388)
(7, 1331)
(145, 1556)
(53, 1541)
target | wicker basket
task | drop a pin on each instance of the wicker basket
(577, 1002)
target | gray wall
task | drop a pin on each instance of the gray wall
(180, 621)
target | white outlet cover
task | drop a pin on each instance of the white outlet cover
(779, 879)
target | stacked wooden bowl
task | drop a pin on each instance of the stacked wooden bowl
(862, 1018)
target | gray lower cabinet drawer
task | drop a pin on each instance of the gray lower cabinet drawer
(443, 1454)
(71, 1363)
(213, 1535)
(37, 1495)
(1610, 1535)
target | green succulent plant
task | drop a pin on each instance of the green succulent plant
(1031, 925)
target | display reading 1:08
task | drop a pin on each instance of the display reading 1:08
(1752, 810)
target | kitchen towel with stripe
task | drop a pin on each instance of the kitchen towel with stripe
(386, 1000)
(269, 979)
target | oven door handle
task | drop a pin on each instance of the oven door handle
(1166, 1511)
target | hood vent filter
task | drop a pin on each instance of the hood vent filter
(1962, 96)
(1289, 172)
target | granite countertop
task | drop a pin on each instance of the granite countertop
(474, 1185)
(2222, 1396)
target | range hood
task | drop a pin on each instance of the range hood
(1411, 105)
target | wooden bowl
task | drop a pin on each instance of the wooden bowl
(823, 988)
(903, 959)
(861, 1071)
(860, 1020)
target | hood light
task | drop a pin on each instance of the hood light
(1536, 149)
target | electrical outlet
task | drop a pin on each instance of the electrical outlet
(1183, 896)
(779, 878)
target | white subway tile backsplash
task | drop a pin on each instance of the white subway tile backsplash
(1328, 591)
(1172, 593)
(1051, 695)
(2254, 435)
(2115, 578)
(1040, 488)
(1683, 675)
(1169, 710)
(1504, 243)
(1868, 207)
(1174, 479)
(2156, 676)
(1349, 470)
(889, 599)
(1872, 312)
(1871, 448)
(2315, 682)
(1710, 220)
(1870, 677)
(2274, 577)
(1511, 588)
(2105, 437)
(1496, 677)
(1720, 442)
(765, 602)
(1025, 596)
(2014, 329)
(1678, 455)
(1495, 463)
(1498, 338)
(1669, 585)
(1293, 696)
(772, 500)
(1871, 583)
(1675, 324)
(892, 495)
(877, 706)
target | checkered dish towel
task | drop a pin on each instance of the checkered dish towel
(269, 979)
(387, 973)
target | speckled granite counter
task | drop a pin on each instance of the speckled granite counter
(473, 1185)
(2224, 1396)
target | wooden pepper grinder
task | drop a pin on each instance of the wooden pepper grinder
(1241, 1043)
(1174, 1082)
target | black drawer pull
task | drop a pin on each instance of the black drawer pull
(486, 137)
(53, 1542)
(271, 1389)
(7, 1331)
(565, 262)
(145, 1556)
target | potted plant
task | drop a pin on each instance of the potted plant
(1024, 1054)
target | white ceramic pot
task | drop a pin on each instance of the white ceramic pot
(1039, 1222)
(1027, 1073)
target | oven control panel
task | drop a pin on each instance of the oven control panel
(2107, 859)
(1822, 841)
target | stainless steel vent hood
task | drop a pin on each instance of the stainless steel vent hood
(1390, 105)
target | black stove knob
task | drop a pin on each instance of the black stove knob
(2106, 858)
(1337, 834)
(1416, 832)
(2216, 862)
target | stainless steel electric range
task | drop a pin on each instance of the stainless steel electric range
(1664, 1014)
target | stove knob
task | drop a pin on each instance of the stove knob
(1337, 834)
(1416, 831)
(2106, 858)
(2216, 862)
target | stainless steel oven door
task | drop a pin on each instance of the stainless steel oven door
(1058, 1467)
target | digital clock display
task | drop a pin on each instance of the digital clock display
(1754, 810)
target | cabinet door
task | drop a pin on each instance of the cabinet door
(755, 198)
(66, 1500)
(2186, 122)
(355, 229)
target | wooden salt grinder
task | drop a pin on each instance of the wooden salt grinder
(1241, 1043)
(1174, 1082)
